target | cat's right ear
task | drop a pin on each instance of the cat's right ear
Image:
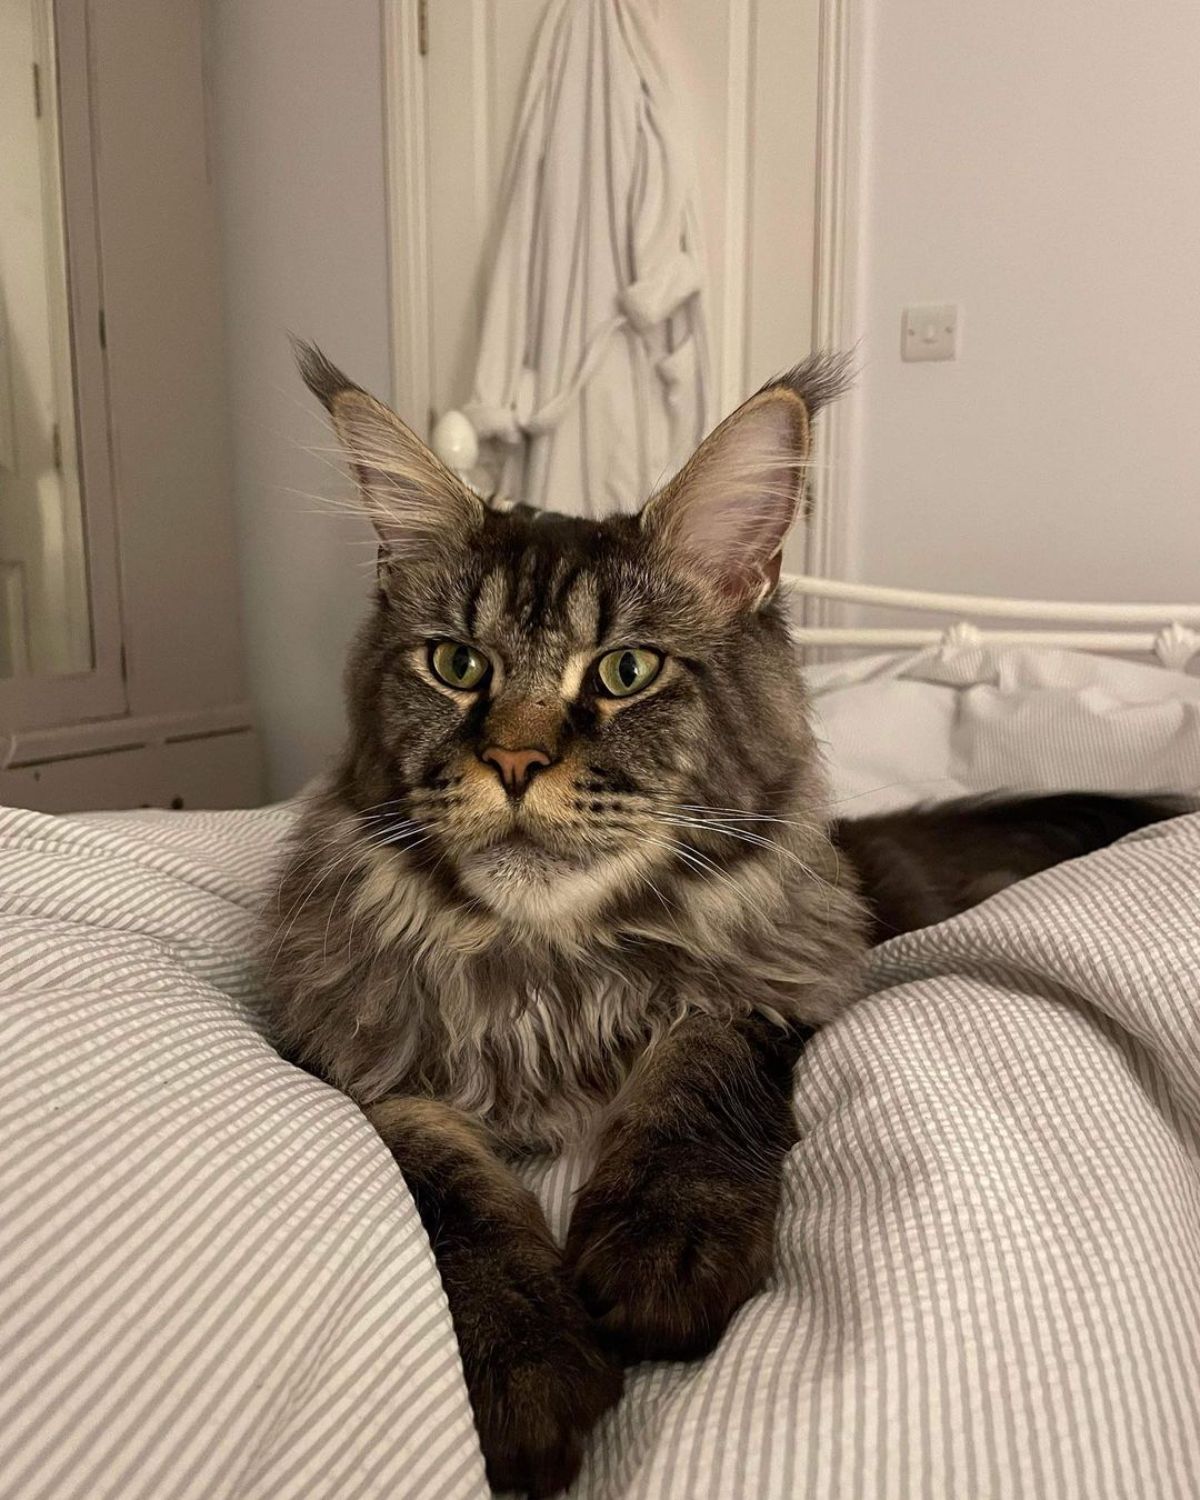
(417, 505)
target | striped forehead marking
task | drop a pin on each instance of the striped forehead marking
(541, 597)
(489, 606)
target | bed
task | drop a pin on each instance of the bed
(213, 1282)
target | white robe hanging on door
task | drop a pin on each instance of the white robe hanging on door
(592, 381)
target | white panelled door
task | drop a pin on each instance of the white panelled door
(746, 78)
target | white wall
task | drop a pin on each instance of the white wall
(298, 147)
(1038, 164)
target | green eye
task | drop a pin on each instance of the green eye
(628, 670)
(459, 665)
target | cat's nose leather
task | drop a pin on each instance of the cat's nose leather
(516, 768)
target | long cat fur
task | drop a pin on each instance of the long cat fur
(635, 948)
(391, 974)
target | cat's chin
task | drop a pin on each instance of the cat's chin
(529, 884)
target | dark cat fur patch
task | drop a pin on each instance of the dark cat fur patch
(926, 864)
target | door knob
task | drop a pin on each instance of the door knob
(456, 442)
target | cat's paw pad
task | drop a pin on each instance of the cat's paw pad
(663, 1267)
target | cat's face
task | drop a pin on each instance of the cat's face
(547, 697)
(541, 705)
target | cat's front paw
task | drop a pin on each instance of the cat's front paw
(539, 1381)
(664, 1253)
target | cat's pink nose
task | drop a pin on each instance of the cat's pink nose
(516, 767)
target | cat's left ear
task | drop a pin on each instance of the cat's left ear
(725, 515)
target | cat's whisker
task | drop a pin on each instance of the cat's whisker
(387, 822)
(302, 901)
(737, 815)
(929, 781)
(384, 842)
(645, 878)
(711, 816)
(379, 840)
(700, 862)
(670, 905)
(744, 834)
(389, 837)
(755, 840)
(332, 908)
(378, 844)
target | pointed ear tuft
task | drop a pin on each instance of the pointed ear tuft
(417, 505)
(726, 513)
(319, 373)
(818, 380)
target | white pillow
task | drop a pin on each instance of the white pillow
(908, 728)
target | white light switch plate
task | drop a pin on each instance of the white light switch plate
(930, 332)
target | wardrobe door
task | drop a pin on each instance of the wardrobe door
(60, 630)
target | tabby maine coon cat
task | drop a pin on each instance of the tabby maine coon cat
(573, 877)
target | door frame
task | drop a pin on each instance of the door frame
(835, 291)
(835, 251)
(405, 28)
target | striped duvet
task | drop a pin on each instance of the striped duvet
(213, 1282)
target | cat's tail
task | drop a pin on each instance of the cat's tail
(924, 864)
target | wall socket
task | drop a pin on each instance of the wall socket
(929, 332)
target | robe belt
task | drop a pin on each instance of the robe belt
(644, 304)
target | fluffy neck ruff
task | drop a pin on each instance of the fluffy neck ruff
(395, 980)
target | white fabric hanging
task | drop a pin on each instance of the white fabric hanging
(593, 376)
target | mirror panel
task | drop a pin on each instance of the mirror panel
(45, 626)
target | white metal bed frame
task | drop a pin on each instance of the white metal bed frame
(1166, 632)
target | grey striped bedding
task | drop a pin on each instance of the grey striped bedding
(213, 1282)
